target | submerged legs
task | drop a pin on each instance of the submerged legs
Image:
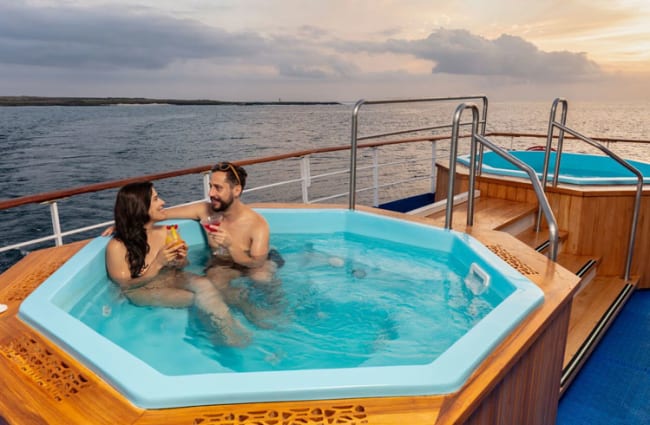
(214, 311)
(239, 297)
(182, 289)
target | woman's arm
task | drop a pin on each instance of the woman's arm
(118, 267)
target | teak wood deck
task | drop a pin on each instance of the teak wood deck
(517, 383)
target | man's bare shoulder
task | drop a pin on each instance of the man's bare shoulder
(257, 218)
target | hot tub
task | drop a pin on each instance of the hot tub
(575, 168)
(485, 279)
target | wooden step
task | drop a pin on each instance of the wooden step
(592, 311)
(584, 266)
(539, 241)
(489, 213)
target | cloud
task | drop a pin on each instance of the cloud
(108, 37)
(111, 39)
(460, 52)
(317, 70)
(295, 57)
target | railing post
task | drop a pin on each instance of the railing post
(552, 123)
(206, 185)
(453, 154)
(375, 176)
(434, 169)
(353, 155)
(305, 177)
(56, 224)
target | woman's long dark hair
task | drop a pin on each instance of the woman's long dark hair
(131, 214)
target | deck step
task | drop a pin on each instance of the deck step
(584, 266)
(593, 309)
(540, 241)
(489, 213)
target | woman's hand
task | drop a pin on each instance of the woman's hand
(172, 254)
(181, 256)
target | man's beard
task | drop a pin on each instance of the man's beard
(223, 205)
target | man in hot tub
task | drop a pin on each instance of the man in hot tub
(240, 240)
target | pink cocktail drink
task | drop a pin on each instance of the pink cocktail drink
(212, 222)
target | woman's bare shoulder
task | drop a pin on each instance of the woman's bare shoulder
(115, 248)
(114, 244)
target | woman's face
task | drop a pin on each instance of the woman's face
(156, 212)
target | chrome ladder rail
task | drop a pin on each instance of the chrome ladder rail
(477, 139)
(558, 157)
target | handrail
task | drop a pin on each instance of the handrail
(354, 137)
(478, 138)
(46, 197)
(549, 140)
(580, 137)
(547, 151)
(544, 136)
(114, 184)
(453, 156)
(52, 198)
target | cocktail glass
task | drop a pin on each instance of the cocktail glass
(211, 223)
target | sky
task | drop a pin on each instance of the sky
(326, 50)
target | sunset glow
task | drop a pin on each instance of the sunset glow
(324, 50)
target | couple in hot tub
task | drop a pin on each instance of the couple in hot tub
(149, 271)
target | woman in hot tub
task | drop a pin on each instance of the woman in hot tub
(149, 271)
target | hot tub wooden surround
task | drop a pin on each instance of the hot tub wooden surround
(594, 223)
(595, 220)
(518, 383)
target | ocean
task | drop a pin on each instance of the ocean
(52, 148)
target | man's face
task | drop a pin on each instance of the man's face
(221, 194)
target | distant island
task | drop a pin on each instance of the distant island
(105, 101)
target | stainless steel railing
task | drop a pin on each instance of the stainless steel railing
(558, 158)
(305, 179)
(354, 138)
(477, 138)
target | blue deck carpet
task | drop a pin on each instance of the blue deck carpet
(613, 387)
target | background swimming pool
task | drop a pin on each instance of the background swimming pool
(575, 168)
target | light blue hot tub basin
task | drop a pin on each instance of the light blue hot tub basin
(47, 310)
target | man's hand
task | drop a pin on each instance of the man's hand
(219, 238)
(108, 231)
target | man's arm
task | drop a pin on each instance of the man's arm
(194, 211)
